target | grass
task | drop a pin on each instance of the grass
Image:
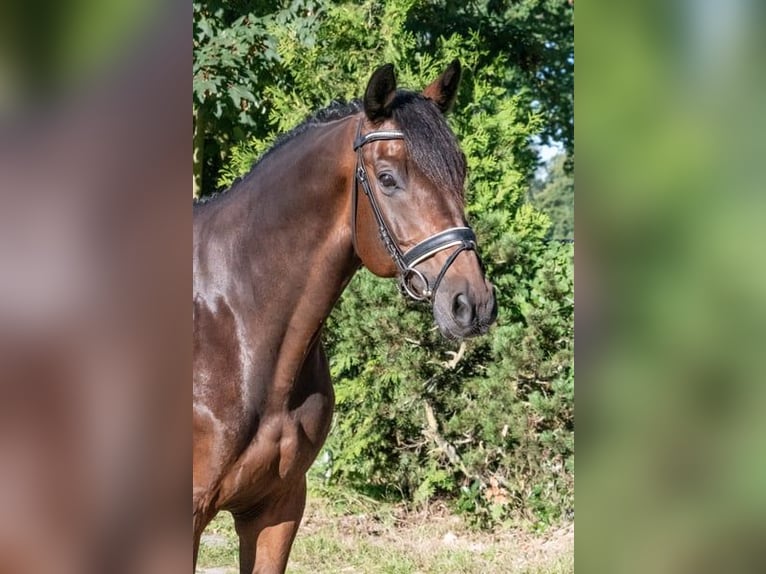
(355, 535)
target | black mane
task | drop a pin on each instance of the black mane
(430, 143)
(335, 111)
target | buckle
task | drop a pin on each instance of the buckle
(406, 284)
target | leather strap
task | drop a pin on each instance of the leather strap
(435, 243)
(360, 140)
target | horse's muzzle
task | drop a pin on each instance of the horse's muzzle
(464, 313)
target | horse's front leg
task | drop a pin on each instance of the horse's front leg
(265, 540)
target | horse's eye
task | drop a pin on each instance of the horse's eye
(387, 180)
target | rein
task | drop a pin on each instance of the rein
(406, 262)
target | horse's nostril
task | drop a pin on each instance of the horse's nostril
(462, 310)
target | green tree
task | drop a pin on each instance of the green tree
(243, 49)
(554, 196)
(535, 38)
(234, 61)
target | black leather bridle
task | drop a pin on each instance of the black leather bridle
(462, 238)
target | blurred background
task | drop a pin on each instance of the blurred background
(95, 349)
(670, 286)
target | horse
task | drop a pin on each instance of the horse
(377, 182)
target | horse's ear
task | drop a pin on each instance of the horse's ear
(380, 91)
(443, 90)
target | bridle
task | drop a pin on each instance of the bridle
(406, 263)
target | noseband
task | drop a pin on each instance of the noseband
(406, 263)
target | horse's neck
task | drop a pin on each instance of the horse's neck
(286, 240)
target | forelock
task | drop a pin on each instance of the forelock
(430, 142)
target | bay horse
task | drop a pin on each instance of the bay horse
(377, 182)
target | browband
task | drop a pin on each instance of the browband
(376, 136)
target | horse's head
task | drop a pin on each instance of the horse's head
(412, 224)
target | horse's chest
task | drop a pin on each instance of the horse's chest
(281, 451)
